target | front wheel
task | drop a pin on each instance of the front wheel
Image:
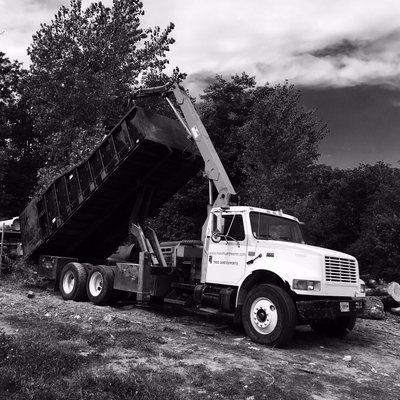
(99, 285)
(269, 315)
(337, 327)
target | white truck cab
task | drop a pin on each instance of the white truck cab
(241, 240)
(253, 249)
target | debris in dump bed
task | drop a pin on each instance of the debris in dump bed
(31, 295)
(373, 309)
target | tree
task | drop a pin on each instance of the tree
(376, 220)
(84, 65)
(18, 161)
(225, 107)
(267, 142)
(280, 141)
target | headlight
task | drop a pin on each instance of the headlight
(306, 285)
(362, 288)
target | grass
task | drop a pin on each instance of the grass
(48, 360)
(54, 360)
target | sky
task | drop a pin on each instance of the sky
(344, 56)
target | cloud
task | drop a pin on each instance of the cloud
(20, 20)
(310, 42)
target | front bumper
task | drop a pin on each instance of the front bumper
(329, 309)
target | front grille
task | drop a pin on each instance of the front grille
(340, 270)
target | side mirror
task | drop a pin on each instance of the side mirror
(216, 236)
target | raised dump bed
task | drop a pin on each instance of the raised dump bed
(85, 212)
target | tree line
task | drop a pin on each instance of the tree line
(85, 64)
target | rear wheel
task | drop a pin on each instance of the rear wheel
(73, 282)
(99, 285)
(337, 327)
(269, 315)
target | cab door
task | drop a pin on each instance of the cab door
(226, 261)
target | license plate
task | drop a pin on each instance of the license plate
(344, 306)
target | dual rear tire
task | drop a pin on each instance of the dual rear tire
(99, 286)
(79, 282)
(73, 282)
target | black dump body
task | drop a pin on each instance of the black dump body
(85, 212)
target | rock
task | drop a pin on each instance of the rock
(108, 318)
(31, 295)
(205, 333)
(395, 310)
(128, 307)
(47, 315)
(121, 321)
(347, 358)
(77, 317)
(394, 291)
(168, 329)
(373, 308)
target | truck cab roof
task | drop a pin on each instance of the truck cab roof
(239, 209)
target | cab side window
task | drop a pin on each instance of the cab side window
(234, 227)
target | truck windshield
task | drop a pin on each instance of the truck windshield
(271, 227)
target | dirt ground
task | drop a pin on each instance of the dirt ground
(175, 353)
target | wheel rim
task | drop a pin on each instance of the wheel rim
(68, 282)
(263, 315)
(96, 283)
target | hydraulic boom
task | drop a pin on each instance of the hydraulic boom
(213, 169)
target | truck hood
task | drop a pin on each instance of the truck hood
(306, 249)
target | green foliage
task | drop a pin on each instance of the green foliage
(266, 141)
(18, 162)
(84, 66)
(280, 142)
(356, 211)
(223, 109)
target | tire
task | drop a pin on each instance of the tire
(73, 282)
(269, 315)
(337, 327)
(99, 286)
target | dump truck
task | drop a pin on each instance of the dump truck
(250, 262)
